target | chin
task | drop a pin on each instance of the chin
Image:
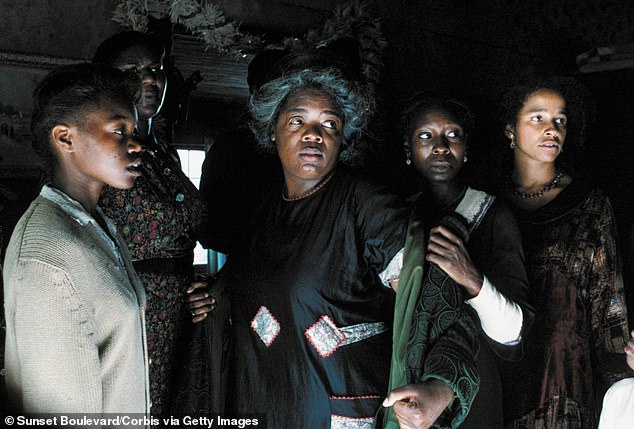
(125, 185)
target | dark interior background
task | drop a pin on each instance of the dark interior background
(469, 49)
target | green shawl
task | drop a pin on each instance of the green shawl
(433, 336)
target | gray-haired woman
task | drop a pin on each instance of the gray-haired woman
(310, 314)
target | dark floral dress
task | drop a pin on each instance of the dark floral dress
(159, 219)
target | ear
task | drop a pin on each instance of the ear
(509, 131)
(406, 147)
(61, 138)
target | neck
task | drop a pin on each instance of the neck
(86, 194)
(296, 189)
(445, 193)
(534, 175)
(144, 127)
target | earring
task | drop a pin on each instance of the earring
(464, 159)
(512, 145)
(408, 161)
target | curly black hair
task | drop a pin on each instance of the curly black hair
(578, 106)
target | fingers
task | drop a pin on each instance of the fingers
(442, 242)
(202, 302)
(399, 394)
(196, 285)
(199, 296)
(200, 313)
(446, 234)
(199, 317)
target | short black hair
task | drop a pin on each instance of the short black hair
(421, 103)
(110, 49)
(66, 94)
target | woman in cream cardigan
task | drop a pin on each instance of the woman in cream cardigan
(73, 303)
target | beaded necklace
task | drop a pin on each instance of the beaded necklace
(536, 194)
(309, 192)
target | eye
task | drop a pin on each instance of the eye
(156, 68)
(454, 134)
(330, 123)
(425, 135)
(296, 121)
(130, 70)
(120, 132)
(561, 121)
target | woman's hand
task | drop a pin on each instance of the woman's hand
(417, 406)
(199, 303)
(447, 251)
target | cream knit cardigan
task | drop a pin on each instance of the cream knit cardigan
(75, 315)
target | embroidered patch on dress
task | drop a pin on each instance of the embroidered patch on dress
(362, 331)
(341, 422)
(265, 325)
(325, 336)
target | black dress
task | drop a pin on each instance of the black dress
(312, 338)
(495, 247)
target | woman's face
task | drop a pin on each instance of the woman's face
(437, 145)
(307, 134)
(145, 64)
(540, 130)
(105, 149)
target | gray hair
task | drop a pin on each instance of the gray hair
(352, 103)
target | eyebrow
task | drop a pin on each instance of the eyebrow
(304, 110)
(119, 117)
(537, 110)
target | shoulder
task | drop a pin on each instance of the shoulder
(500, 214)
(360, 184)
(622, 389)
(48, 234)
(596, 200)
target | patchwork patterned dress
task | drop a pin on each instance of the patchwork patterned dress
(575, 348)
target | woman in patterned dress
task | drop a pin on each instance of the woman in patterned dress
(159, 219)
(569, 238)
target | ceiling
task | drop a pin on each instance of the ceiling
(224, 77)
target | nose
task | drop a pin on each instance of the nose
(552, 129)
(146, 75)
(134, 145)
(440, 146)
(313, 133)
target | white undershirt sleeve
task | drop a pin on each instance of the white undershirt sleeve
(500, 317)
(393, 269)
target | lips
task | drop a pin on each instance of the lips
(149, 93)
(550, 144)
(133, 167)
(310, 154)
(440, 165)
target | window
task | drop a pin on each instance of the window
(192, 163)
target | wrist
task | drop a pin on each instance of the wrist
(475, 285)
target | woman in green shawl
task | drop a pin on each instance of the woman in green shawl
(484, 268)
